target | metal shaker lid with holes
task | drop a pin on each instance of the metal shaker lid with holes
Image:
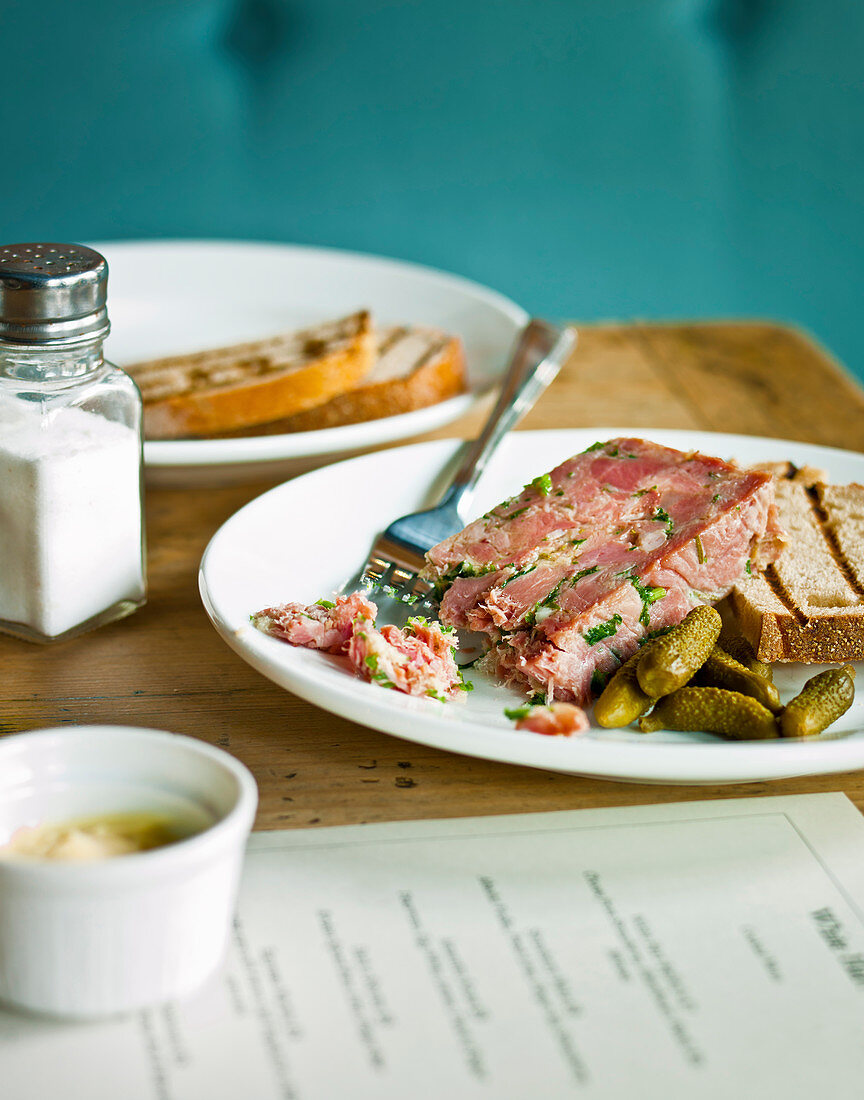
(52, 294)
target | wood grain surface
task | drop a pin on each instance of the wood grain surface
(165, 667)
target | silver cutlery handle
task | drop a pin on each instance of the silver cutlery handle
(537, 357)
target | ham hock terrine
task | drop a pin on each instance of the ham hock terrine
(589, 560)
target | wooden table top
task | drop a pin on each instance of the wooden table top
(165, 667)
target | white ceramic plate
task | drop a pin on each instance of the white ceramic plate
(170, 297)
(302, 539)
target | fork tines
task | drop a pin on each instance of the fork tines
(397, 582)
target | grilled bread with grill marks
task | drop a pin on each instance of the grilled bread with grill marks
(809, 604)
(208, 393)
(414, 367)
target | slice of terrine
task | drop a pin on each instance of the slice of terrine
(615, 544)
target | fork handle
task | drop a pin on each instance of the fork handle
(536, 359)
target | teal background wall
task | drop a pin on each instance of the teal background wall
(590, 158)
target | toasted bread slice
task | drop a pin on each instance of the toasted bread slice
(212, 392)
(414, 367)
(809, 604)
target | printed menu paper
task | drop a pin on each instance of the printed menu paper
(709, 949)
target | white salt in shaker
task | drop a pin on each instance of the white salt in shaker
(71, 530)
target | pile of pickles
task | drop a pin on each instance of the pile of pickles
(685, 680)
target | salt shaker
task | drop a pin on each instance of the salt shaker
(71, 530)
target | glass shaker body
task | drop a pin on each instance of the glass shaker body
(71, 528)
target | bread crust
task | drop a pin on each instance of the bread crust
(778, 635)
(266, 379)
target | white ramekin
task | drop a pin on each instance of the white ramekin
(86, 940)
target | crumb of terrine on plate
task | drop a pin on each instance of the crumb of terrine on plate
(327, 625)
(554, 720)
(418, 659)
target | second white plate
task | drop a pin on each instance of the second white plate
(170, 297)
(302, 539)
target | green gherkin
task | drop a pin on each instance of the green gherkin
(823, 699)
(742, 651)
(622, 700)
(670, 663)
(712, 710)
(722, 670)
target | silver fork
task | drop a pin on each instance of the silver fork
(390, 573)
